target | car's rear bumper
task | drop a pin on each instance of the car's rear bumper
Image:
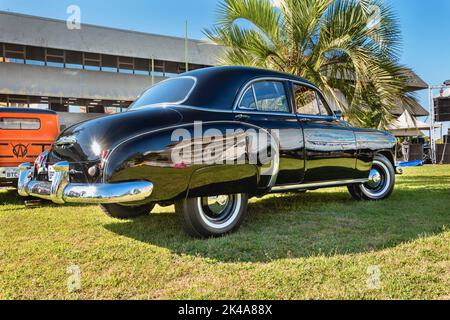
(61, 191)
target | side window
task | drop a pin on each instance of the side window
(248, 100)
(305, 100)
(271, 96)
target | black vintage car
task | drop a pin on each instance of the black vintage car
(207, 141)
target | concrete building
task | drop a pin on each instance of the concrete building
(95, 70)
(87, 72)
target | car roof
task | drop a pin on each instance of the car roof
(248, 72)
(26, 111)
(218, 87)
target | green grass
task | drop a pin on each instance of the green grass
(293, 246)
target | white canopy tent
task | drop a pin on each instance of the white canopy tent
(408, 126)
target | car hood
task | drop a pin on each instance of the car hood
(87, 140)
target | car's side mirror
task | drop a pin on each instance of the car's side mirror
(338, 115)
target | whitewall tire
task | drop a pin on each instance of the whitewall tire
(215, 216)
(381, 181)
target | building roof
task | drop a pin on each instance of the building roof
(413, 106)
(414, 82)
(21, 79)
(51, 33)
(26, 111)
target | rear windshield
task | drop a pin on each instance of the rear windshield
(19, 124)
(169, 91)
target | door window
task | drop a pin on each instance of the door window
(271, 96)
(305, 100)
(248, 100)
(309, 101)
(265, 96)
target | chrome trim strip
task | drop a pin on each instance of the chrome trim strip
(259, 113)
(317, 185)
(254, 97)
(60, 191)
(174, 107)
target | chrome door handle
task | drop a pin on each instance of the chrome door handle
(242, 117)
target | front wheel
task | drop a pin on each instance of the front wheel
(381, 181)
(118, 211)
(204, 217)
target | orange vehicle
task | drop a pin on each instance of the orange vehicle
(24, 135)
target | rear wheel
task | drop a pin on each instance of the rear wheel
(212, 216)
(381, 181)
(118, 211)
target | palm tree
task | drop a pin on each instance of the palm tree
(347, 47)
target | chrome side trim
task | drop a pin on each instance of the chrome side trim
(174, 107)
(60, 191)
(248, 111)
(317, 185)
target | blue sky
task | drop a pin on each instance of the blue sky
(425, 24)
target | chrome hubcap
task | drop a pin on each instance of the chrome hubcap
(374, 178)
(218, 204)
(219, 211)
(379, 180)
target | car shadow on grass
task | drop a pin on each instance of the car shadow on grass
(305, 225)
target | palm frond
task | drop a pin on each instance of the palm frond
(347, 45)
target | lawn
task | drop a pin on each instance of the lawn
(316, 245)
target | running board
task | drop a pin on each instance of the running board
(306, 186)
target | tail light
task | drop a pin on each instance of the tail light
(38, 162)
(104, 156)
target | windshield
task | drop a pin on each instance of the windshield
(174, 90)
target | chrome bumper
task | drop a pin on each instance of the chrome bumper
(61, 191)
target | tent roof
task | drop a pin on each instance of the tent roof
(407, 125)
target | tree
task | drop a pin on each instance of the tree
(350, 46)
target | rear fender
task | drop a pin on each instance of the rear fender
(193, 160)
